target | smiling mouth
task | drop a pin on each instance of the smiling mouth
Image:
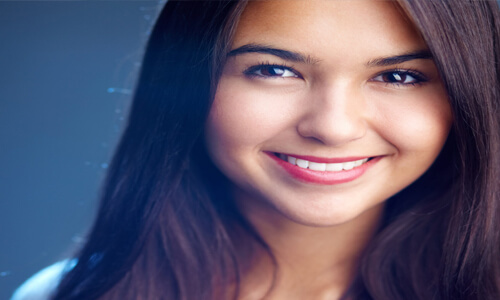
(317, 166)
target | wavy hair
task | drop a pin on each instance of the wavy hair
(165, 228)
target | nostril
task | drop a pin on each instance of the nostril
(332, 128)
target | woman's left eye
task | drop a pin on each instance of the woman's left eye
(271, 71)
(400, 77)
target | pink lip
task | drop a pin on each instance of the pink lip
(325, 177)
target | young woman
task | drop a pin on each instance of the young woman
(306, 150)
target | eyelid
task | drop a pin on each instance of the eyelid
(250, 71)
(419, 76)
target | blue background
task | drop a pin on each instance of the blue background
(66, 72)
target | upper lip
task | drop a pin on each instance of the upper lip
(326, 160)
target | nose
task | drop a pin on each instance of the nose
(334, 116)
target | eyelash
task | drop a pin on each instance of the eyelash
(418, 77)
(252, 71)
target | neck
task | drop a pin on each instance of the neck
(310, 260)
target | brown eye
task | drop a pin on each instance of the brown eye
(271, 71)
(397, 77)
(400, 78)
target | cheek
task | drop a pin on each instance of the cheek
(417, 125)
(243, 117)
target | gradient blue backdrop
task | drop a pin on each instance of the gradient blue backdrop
(66, 71)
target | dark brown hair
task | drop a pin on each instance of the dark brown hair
(446, 246)
(165, 224)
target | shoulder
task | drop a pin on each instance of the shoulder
(41, 285)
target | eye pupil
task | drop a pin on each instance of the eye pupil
(273, 71)
(400, 78)
(395, 77)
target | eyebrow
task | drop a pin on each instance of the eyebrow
(398, 59)
(284, 54)
(301, 58)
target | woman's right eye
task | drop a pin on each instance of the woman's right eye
(271, 71)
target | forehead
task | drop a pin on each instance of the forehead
(320, 27)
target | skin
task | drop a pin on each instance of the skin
(339, 101)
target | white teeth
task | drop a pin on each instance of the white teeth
(348, 165)
(317, 166)
(302, 163)
(334, 167)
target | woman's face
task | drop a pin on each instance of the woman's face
(326, 108)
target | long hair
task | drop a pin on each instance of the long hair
(447, 245)
(164, 225)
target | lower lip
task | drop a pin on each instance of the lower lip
(324, 177)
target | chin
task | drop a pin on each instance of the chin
(329, 217)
